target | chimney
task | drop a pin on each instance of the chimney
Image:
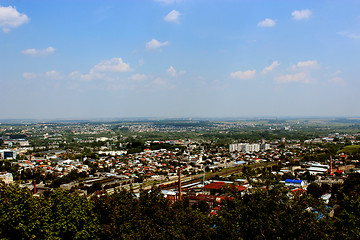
(179, 172)
(34, 186)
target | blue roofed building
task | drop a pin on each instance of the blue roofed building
(295, 183)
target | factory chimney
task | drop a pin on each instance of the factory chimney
(179, 172)
(34, 182)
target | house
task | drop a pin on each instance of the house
(6, 177)
(295, 183)
(216, 188)
(7, 154)
(170, 195)
(317, 168)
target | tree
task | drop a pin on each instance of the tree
(268, 214)
(315, 190)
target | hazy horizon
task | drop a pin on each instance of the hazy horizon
(174, 59)
(150, 119)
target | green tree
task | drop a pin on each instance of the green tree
(269, 214)
(315, 190)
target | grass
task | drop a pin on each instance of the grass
(351, 149)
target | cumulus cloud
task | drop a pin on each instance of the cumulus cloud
(306, 64)
(301, 14)
(138, 77)
(267, 23)
(86, 77)
(243, 75)
(271, 67)
(38, 52)
(11, 18)
(100, 70)
(112, 65)
(173, 16)
(301, 77)
(172, 71)
(155, 44)
(30, 75)
(53, 75)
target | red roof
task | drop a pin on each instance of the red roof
(219, 185)
(298, 190)
(240, 188)
(215, 185)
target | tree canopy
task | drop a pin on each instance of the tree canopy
(263, 213)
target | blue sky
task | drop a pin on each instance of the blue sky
(179, 58)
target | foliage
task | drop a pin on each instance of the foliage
(60, 216)
(351, 149)
(268, 214)
(273, 212)
(315, 190)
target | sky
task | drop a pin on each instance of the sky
(83, 59)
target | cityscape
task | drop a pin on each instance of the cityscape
(179, 119)
(304, 157)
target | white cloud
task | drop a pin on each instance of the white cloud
(30, 75)
(37, 52)
(47, 75)
(173, 16)
(138, 77)
(301, 77)
(87, 77)
(172, 71)
(53, 75)
(243, 75)
(112, 65)
(155, 44)
(100, 70)
(267, 23)
(11, 18)
(306, 64)
(301, 14)
(336, 73)
(271, 67)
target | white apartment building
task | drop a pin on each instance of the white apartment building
(248, 147)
